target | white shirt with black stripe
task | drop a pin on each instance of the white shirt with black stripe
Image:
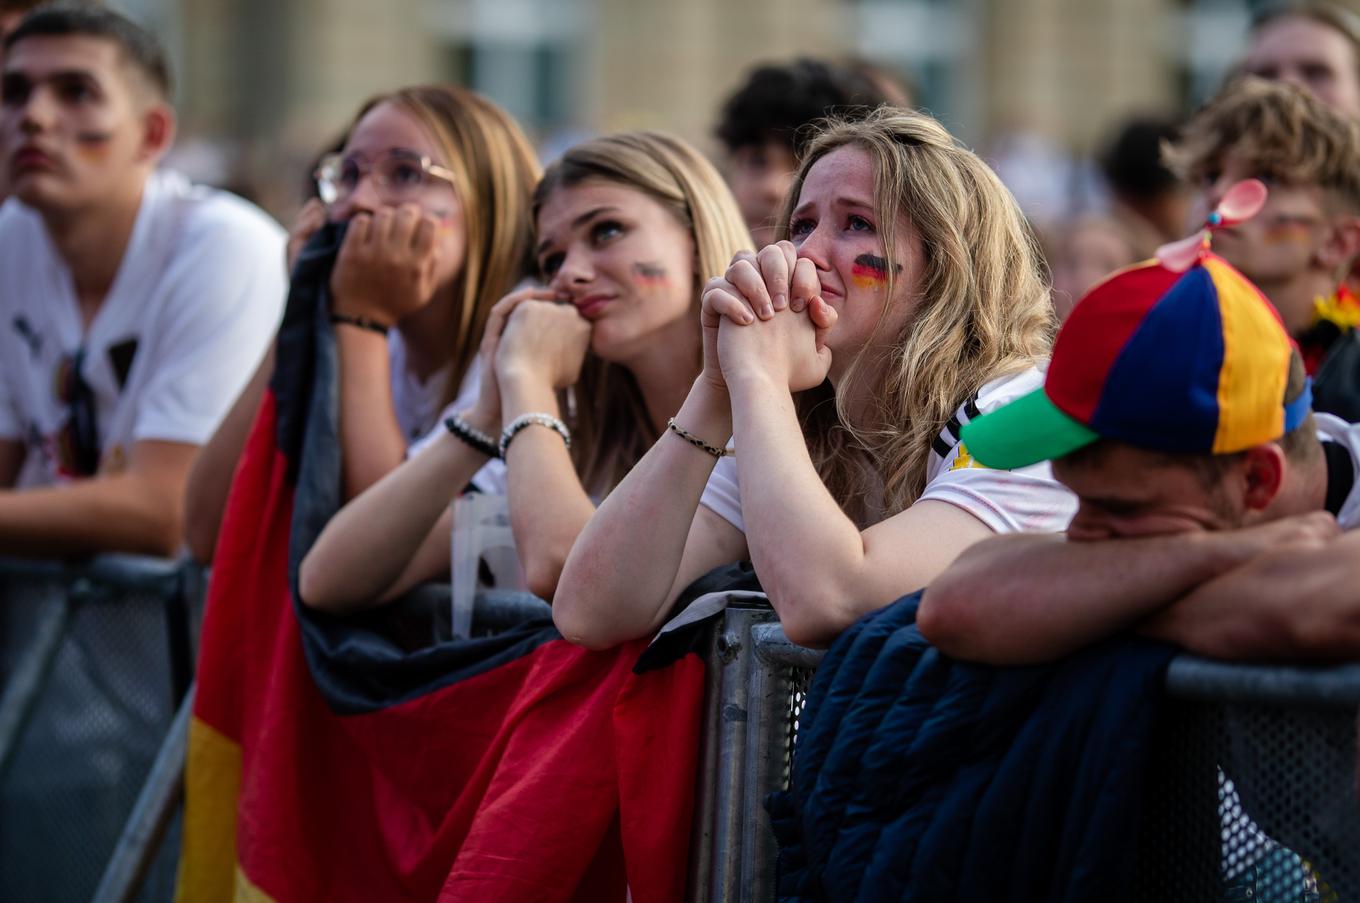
(1026, 499)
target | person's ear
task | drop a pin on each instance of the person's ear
(158, 131)
(1263, 475)
(1341, 243)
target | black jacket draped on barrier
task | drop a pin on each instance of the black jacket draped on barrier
(917, 777)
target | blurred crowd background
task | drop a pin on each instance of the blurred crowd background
(1040, 87)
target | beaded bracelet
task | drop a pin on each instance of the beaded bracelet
(524, 420)
(694, 440)
(361, 322)
(474, 437)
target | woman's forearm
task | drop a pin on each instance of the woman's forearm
(626, 567)
(548, 505)
(371, 440)
(367, 547)
(805, 549)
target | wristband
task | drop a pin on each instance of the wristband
(698, 443)
(524, 420)
(472, 436)
(361, 322)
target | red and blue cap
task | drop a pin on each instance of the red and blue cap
(1180, 354)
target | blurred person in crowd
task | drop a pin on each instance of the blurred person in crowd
(434, 182)
(1083, 253)
(842, 361)
(134, 305)
(1301, 245)
(766, 123)
(627, 228)
(1151, 202)
(1211, 498)
(1312, 44)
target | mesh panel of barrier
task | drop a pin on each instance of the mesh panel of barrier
(94, 729)
(1252, 802)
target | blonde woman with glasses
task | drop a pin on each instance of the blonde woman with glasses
(582, 374)
(435, 184)
(904, 298)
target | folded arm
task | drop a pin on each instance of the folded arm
(1032, 598)
(1300, 601)
(820, 571)
(393, 535)
(137, 510)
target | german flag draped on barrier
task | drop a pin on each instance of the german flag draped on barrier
(329, 762)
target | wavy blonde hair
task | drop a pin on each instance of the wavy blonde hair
(982, 309)
(495, 170)
(611, 428)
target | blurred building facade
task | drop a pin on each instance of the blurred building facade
(265, 84)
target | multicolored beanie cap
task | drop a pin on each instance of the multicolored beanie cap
(1179, 354)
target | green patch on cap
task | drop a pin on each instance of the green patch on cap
(1026, 431)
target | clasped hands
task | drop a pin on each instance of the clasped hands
(765, 319)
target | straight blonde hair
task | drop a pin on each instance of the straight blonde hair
(982, 309)
(495, 170)
(611, 428)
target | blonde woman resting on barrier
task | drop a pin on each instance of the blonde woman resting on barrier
(910, 281)
(628, 227)
(435, 183)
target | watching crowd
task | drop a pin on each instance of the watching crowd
(834, 355)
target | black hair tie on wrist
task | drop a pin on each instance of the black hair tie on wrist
(361, 322)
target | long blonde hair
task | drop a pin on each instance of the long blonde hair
(495, 171)
(982, 311)
(611, 427)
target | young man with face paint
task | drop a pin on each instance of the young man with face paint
(1305, 239)
(1210, 499)
(134, 306)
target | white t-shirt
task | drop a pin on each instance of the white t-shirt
(196, 302)
(1027, 499)
(1333, 429)
(416, 402)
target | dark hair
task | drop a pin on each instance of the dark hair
(1132, 161)
(18, 6)
(780, 102)
(138, 46)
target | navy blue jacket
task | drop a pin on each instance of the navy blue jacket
(917, 777)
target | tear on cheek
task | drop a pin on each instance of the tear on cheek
(650, 276)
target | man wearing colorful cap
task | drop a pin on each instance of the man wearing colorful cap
(1210, 498)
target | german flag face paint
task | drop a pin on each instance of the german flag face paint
(871, 271)
(650, 276)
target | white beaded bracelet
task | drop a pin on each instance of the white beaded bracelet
(524, 420)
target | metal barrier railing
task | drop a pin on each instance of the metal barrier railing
(1251, 797)
(1253, 781)
(94, 658)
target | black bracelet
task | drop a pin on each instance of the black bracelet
(361, 322)
(472, 436)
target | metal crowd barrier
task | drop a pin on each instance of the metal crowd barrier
(1252, 790)
(94, 659)
(1252, 796)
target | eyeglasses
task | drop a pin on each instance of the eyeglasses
(78, 441)
(398, 175)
